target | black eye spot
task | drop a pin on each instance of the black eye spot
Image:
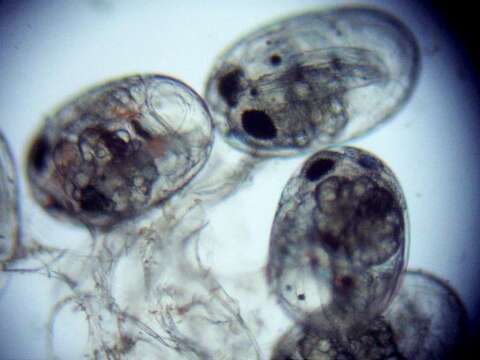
(39, 154)
(258, 124)
(319, 168)
(229, 86)
(254, 92)
(275, 59)
(369, 162)
(93, 200)
(301, 297)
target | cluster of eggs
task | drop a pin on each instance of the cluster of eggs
(340, 236)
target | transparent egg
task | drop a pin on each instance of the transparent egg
(428, 317)
(119, 149)
(311, 80)
(339, 239)
(9, 217)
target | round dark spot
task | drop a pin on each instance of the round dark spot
(319, 168)
(258, 124)
(288, 287)
(39, 153)
(275, 59)
(254, 92)
(92, 200)
(229, 86)
(369, 162)
(301, 297)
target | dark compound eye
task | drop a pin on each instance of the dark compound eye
(39, 153)
(369, 162)
(319, 168)
(259, 125)
(229, 86)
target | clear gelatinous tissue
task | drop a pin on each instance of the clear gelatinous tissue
(339, 240)
(119, 148)
(9, 217)
(143, 293)
(428, 317)
(311, 80)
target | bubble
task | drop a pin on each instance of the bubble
(311, 80)
(339, 240)
(118, 149)
(9, 213)
(428, 317)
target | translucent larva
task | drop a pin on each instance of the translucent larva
(339, 239)
(311, 80)
(119, 148)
